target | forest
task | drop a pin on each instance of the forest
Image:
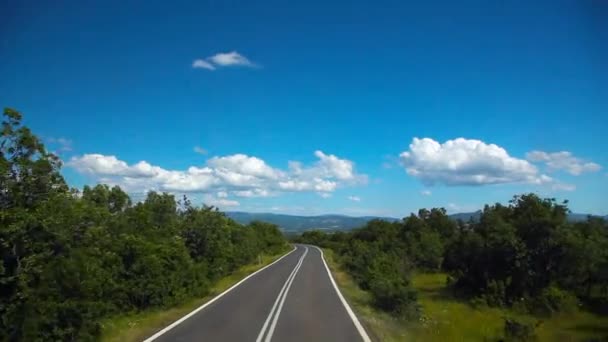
(71, 258)
(524, 256)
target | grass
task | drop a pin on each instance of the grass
(446, 318)
(379, 325)
(138, 326)
(449, 319)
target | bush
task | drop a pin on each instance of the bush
(394, 296)
(518, 331)
(553, 300)
(495, 293)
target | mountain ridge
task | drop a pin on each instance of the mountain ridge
(297, 223)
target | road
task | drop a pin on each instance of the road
(293, 299)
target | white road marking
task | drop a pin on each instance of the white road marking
(276, 316)
(179, 321)
(276, 302)
(281, 296)
(352, 315)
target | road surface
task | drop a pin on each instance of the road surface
(293, 299)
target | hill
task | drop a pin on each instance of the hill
(572, 217)
(294, 223)
(297, 223)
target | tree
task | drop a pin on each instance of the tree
(29, 176)
(68, 260)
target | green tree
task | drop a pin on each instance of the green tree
(71, 259)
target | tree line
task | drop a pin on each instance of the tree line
(71, 258)
(524, 255)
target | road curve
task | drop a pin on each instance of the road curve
(293, 299)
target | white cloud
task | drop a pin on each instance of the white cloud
(315, 184)
(324, 176)
(563, 160)
(227, 203)
(426, 193)
(240, 164)
(238, 175)
(223, 59)
(202, 64)
(200, 150)
(354, 198)
(219, 202)
(110, 166)
(563, 187)
(466, 162)
(230, 58)
(325, 194)
(252, 193)
(333, 166)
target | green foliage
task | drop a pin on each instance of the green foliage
(518, 331)
(525, 254)
(553, 300)
(70, 259)
(528, 252)
(375, 256)
(381, 255)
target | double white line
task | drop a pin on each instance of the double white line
(276, 311)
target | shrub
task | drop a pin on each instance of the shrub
(518, 331)
(495, 293)
(553, 299)
(394, 296)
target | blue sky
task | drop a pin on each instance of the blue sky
(504, 98)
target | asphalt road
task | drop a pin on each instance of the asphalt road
(293, 299)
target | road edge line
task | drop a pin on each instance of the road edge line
(350, 311)
(193, 312)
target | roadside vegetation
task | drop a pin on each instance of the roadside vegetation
(522, 272)
(135, 327)
(72, 260)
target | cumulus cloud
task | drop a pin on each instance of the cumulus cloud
(102, 165)
(354, 198)
(563, 160)
(253, 193)
(466, 162)
(223, 59)
(323, 176)
(236, 175)
(333, 166)
(234, 167)
(426, 193)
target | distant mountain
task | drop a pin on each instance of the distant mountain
(575, 217)
(293, 223)
(572, 217)
(466, 216)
